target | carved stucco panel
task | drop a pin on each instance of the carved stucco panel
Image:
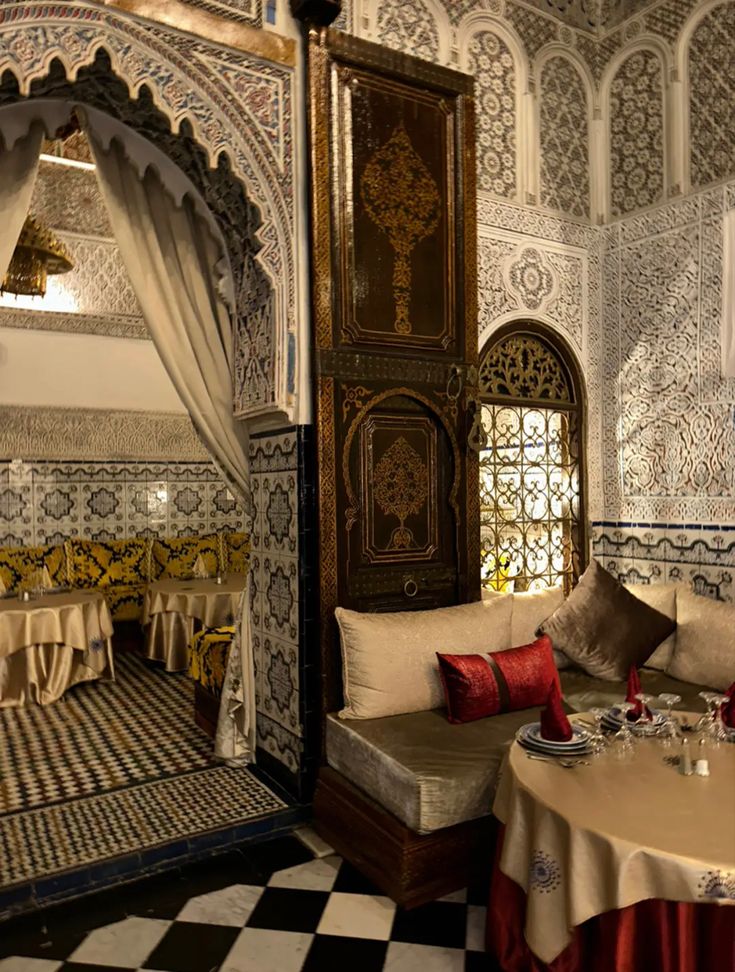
(235, 103)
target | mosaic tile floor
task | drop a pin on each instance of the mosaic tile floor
(113, 769)
(266, 908)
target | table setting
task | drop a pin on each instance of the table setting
(579, 865)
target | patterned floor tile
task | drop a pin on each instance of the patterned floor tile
(117, 767)
(188, 947)
(263, 908)
(267, 950)
(358, 916)
(126, 944)
(316, 875)
(338, 952)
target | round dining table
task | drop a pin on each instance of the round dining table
(175, 609)
(619, 864)
(51, 642)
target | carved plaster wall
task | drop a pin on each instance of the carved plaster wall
(235, 103)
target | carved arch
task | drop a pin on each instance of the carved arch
(433, 8)
(479, 23)
(643, 44)
(550, 53)
(683, 61)
(55, 48)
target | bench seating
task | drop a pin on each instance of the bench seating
(406, 797)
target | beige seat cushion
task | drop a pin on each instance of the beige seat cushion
(389, 660)
(581, 692)
(662, 597)
(426, 772)
(705, 641)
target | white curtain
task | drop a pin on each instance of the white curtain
(18, 168)
(728, 297)
(179, 274)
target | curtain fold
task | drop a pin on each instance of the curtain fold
(728, 297)
(18, 169)
(175, 267)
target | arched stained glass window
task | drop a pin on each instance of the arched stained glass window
(531, 469)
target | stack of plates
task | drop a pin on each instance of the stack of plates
(613, 719)
(529, 736)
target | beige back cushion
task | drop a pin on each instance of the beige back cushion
(662, 597)
(389, 661)
(705, 641)
(530, 609)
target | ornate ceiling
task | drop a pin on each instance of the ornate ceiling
(597, 15)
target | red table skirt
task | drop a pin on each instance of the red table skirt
(651, 936)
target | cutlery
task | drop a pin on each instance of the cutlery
(563, 761)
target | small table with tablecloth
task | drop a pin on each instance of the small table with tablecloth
(52, 642)
(175, 609)
(620, 864)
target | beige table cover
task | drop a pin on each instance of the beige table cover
(51, 643)
(175, 609)
(596, 838)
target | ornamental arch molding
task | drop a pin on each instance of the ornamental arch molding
(226, 113)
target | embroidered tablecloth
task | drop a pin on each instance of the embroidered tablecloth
(584, 841)
(51, 643)
(175, 609)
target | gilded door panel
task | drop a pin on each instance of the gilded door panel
(395, 333)
(395, 149)
(398, 487)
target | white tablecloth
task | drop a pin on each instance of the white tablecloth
(596, 838)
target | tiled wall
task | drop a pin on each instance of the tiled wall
(46, 502)
(651, 553)
(668, 432)
(282, 601)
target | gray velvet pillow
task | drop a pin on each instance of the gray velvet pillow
(605, 629)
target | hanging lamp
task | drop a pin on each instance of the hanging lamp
(37, 254)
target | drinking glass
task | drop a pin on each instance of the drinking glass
(706, 722)
(623, 738)
(719, 729)
(669, 730)
(643, 726)
(598, 740)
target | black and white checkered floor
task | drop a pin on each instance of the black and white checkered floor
(270, 907)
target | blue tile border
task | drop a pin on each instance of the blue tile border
(106, 874)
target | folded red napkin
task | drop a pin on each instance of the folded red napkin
(554, 722)
(634, 687)
(728, 709)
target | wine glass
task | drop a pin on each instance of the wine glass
(623, 738)
(669, 729)
(598, 740)
(706, 721)
(643, 726)
(719, 730)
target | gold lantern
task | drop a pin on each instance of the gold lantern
(37, 254)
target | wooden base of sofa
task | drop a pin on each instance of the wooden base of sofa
(206, 710)
(410, 868)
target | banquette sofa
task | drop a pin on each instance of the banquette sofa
(122, 569)
(405, 795)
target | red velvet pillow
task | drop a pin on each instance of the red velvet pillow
(476, 686)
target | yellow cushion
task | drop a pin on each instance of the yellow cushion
(176, 557)
(18, 563)
(95, 563)
(208, 651)
(125, 601)
(237, 552)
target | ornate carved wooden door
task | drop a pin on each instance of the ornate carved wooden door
(394, 298)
